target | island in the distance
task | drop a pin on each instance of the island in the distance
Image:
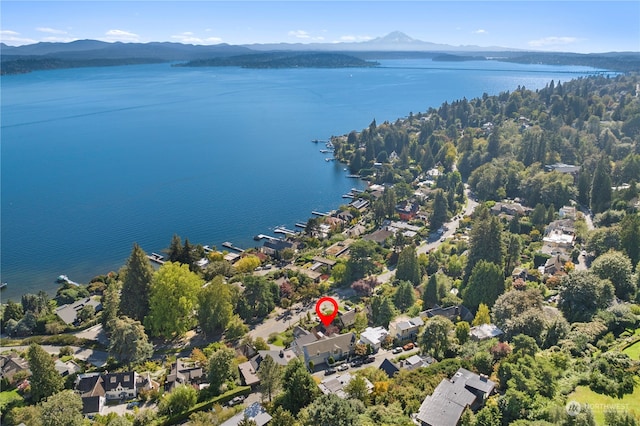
(283, 60)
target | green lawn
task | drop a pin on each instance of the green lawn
(633, 351)
(8, 397)
(599, 403)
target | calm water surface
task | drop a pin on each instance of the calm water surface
(95, 159)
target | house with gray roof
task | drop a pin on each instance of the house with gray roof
(249, 370)
(485, 331)
(339, 346)
(445, 405)
(11, 364)
(451, 312)
(255, 412)
(403, 329)
(69, 313)
(336, 384)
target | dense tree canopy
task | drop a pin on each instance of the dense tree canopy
(215, 306)
(582, 293)
(173, 301)
(128, 342)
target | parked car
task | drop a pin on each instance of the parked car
(133, 404)
(356, 363)
(237, 400)
(397, 350)
(408, 346)
(369, 360)
(329, 371)
(343, 367)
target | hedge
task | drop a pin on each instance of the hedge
(206, 405)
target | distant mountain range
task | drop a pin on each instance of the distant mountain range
(90, 53)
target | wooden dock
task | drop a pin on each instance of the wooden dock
(301, 225)
(319, 214)
(230, 246)
(265, 237)
(156, 258)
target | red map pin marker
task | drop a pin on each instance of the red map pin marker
(327, 318)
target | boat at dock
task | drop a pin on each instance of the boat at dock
(156, 258)
(63, 279)
(3, 285)
(283, 230)
(230, 246)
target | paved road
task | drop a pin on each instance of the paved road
(94, 357)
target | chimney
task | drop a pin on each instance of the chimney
(484, 378)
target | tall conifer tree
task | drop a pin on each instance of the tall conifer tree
(136, 285)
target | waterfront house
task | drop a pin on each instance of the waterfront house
(275, 247)
(444, 407)
(69, 313)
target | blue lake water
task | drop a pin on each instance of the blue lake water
(95, 159)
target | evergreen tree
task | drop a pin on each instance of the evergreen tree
(601, 187)
(485, 285)
(514, 249)
(404, 296)
(382, 311)
(630, 237)
(175, 251)
(408, 268)
(270, 374)
(440, 212)
(485, 240)
(45, 380)
(110, 305)
(430, 295)
(136, 284)
(299, 387)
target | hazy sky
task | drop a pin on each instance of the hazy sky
(575, 26)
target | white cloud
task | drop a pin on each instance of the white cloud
(354, 38)
(188, 37)
(50, 30)
(12, 38)
(480, 31)
(121, 35)
(304, 35)
(299, 34)
(553, 41)
(54, 39)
